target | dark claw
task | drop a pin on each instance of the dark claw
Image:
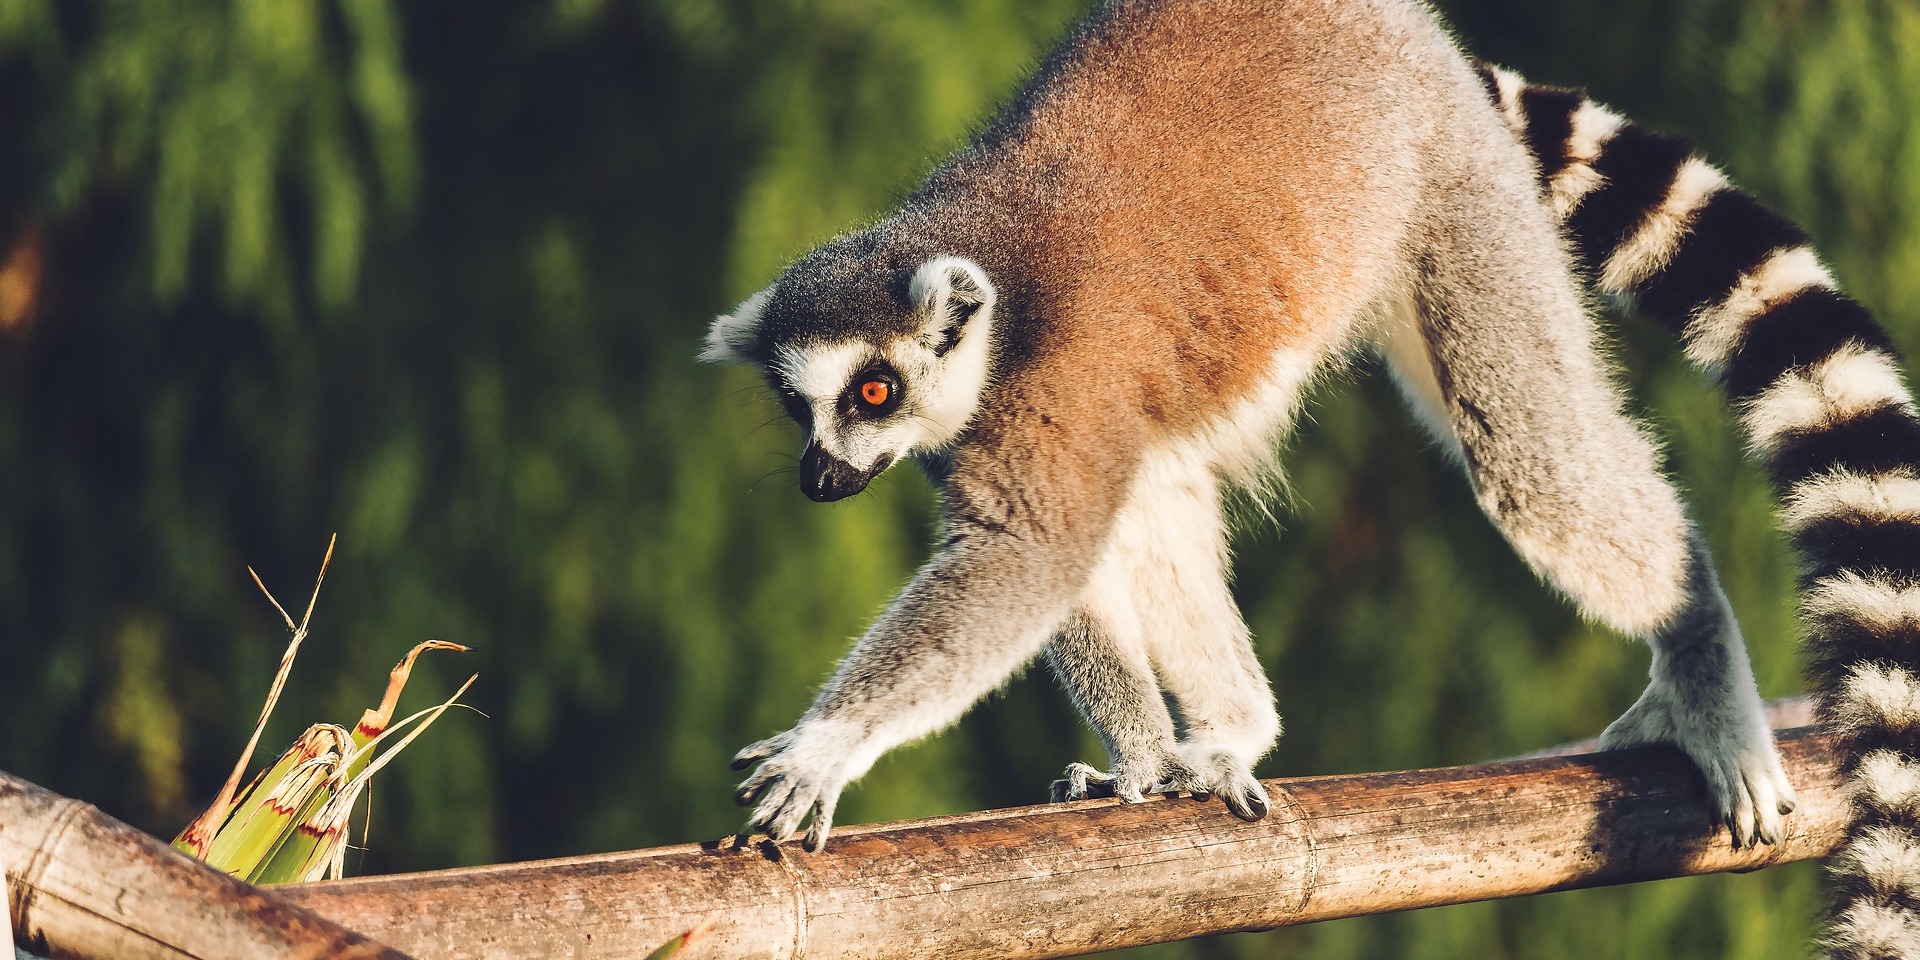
(750, 791)
(1786, 806)
(1095, 783)
(1249, 807)
(755, 752)
(751, 756)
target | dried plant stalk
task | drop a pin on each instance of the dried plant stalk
(290, 823)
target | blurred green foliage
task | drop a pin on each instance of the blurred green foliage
(431, 274)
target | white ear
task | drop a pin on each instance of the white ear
(952, 292)
(727, 339)
(956, 300)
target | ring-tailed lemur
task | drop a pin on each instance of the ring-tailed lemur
(1099, 315)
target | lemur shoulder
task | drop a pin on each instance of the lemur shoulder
(1100, 316)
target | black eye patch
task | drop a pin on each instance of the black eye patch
(791, 401)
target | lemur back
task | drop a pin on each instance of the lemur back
(1101, 314)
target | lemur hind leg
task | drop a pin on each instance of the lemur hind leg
(1702, 698)
(1495, 350)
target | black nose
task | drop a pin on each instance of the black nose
(825, 477)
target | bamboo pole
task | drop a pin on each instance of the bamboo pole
(1059, 880)
(81, 884)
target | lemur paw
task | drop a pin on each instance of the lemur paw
(797, 777)
(1733, 750)
(1129, 782)
(1227, 776)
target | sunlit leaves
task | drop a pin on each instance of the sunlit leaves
(262, 135)
(836, 146)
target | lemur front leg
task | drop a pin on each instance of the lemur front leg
(969, 619)
(1101, 660)
(1014, 561)
(1158, 613)
(1198, 643)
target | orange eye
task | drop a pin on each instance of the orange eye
(874, 393)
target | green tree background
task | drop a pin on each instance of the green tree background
(431, 274)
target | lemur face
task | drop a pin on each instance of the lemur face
(873, 369)
(859, 407)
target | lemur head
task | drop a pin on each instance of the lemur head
(876, 358)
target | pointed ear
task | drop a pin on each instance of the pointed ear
(951, 292)
(731, 333)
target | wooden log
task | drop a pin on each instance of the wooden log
(81, 884)
(1064, 879)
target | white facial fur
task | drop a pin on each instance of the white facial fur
(939, 392)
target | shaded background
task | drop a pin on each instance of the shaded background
(431, 274)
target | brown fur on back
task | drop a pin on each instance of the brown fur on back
(1174, 228)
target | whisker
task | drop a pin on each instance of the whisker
(750, 397)
(770, 421)
(755, 485)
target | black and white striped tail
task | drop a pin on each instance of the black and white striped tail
(1818, 388)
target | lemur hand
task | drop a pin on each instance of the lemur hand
(800, 772)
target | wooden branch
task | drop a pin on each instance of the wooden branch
(1058, 880)
(82, 884)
